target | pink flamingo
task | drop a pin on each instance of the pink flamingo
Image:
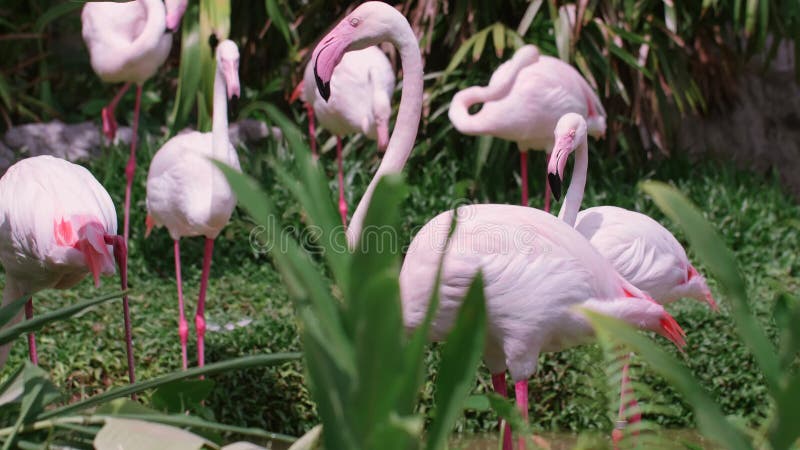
(538, 269)
(187, 194)
(639, 248)
(127, 43)
(596, 285)
(525, 98)
(57, 224)
(359, 102)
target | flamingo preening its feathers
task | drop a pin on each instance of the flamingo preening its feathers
(360, 102)
(57, 225)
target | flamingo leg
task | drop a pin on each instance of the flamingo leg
(546, 184)
(499, 384)
(130, 168)
(183, 326)
(200, 316)
(342, 201)
(31, 337)
(627, 402)
(107, 114)
(521, 391)
(312, 131)
(523, 164)
(121, 255)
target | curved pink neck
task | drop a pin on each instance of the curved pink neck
(405, 129)
(572, 201)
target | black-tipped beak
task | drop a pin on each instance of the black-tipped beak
(324, 88)
(555, 185)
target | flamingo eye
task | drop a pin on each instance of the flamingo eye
(354, 22)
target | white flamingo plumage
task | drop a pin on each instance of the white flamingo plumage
(525, 98)
(639, 248)
(127, 43)
(360, 102)
(188, 195)
(57, 225)
(529, 293)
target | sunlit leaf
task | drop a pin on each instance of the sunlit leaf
(139, 434)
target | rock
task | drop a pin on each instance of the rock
(82, 141)
(762, 130)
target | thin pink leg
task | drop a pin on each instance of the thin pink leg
(130, 169)
(342, 201)
(200, 316)
(627, 401)
(107, 114)
(121, 255)
(523, 163)
(499, 384)
(521, 390)
(31, 337)
(312, 131)
(546, 185)
(183, 326)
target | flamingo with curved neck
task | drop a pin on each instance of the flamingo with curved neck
(639, 248)
(370, 24)
(522, 103)
(128, 42)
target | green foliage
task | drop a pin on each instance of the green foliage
(782, 380)
(365, 399)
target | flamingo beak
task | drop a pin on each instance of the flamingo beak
(558, 161)
(231, 73)
(328, 54)
(297, 92)
(175, 10)
(706, 292)
(672, 331)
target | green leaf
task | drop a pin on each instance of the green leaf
(56, 11)
(480, 43)
(628, 59)
(499, 39)
(38, 392)
(13, 387)
(9, 311)
(710, 420)
(527, 18)
(189, 70)
(274, 13)
(38, 321)
(750, 17)
(245, 362)
(784, 431)
(460, 357)
(142, 435)
(720, 261)
(182, 395)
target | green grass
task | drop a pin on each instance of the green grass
(86, 354)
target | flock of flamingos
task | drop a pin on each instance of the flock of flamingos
(58, 224)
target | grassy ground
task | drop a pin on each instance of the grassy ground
(252, 313)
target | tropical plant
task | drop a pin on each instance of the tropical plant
(365, 373)
(778, 366)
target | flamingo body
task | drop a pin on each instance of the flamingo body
(45, 203)
(111, 29)
(185, 191)
(527, 110)
(536, 270)
(644, 253)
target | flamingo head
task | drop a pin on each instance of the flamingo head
(570, 132)
(175, 10)
(697, 288)
(370, 23)
(86, 235)
(228, 65)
